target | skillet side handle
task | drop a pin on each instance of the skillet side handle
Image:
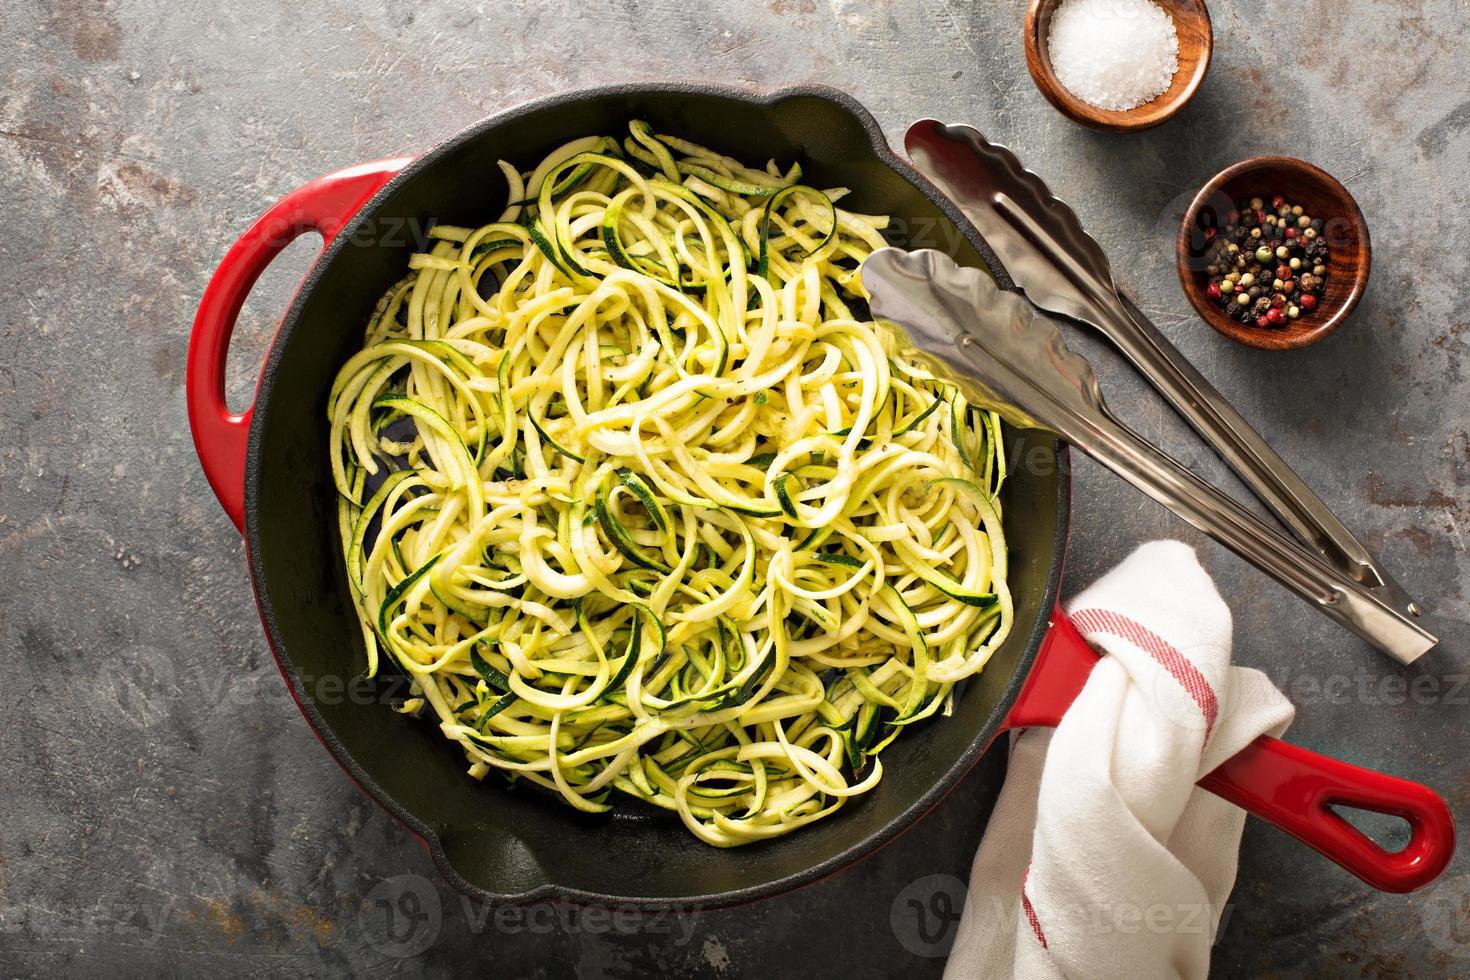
(324, 205)
(1294, 789)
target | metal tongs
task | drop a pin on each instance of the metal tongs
(1005, 353)
(1061, 269)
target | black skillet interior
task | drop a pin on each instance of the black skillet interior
(504, 844)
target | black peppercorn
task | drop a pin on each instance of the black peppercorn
(1267, 260)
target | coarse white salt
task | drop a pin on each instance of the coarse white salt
(1113, 54)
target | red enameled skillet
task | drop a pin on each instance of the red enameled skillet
(267, 466)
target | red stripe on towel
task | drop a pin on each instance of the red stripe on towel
(1031, 912)
(1089, 621)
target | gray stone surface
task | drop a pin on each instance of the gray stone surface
(164, 810)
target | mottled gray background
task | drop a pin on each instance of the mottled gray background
(164, 810)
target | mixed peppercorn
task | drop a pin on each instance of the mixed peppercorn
(1268, 265)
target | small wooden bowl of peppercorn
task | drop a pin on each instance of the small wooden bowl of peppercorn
(1274, 253)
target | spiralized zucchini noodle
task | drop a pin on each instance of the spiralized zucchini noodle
(642, 502)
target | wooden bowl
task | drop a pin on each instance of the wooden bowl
(1196, 43)
(1350, 253)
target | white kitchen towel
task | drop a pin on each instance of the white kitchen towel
(1102, 858)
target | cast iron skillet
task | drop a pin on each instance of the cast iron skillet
(267, 465)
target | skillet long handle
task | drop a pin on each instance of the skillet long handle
(1247, 453)
(1296, 790)
(1332, 591)
(1289, 787)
